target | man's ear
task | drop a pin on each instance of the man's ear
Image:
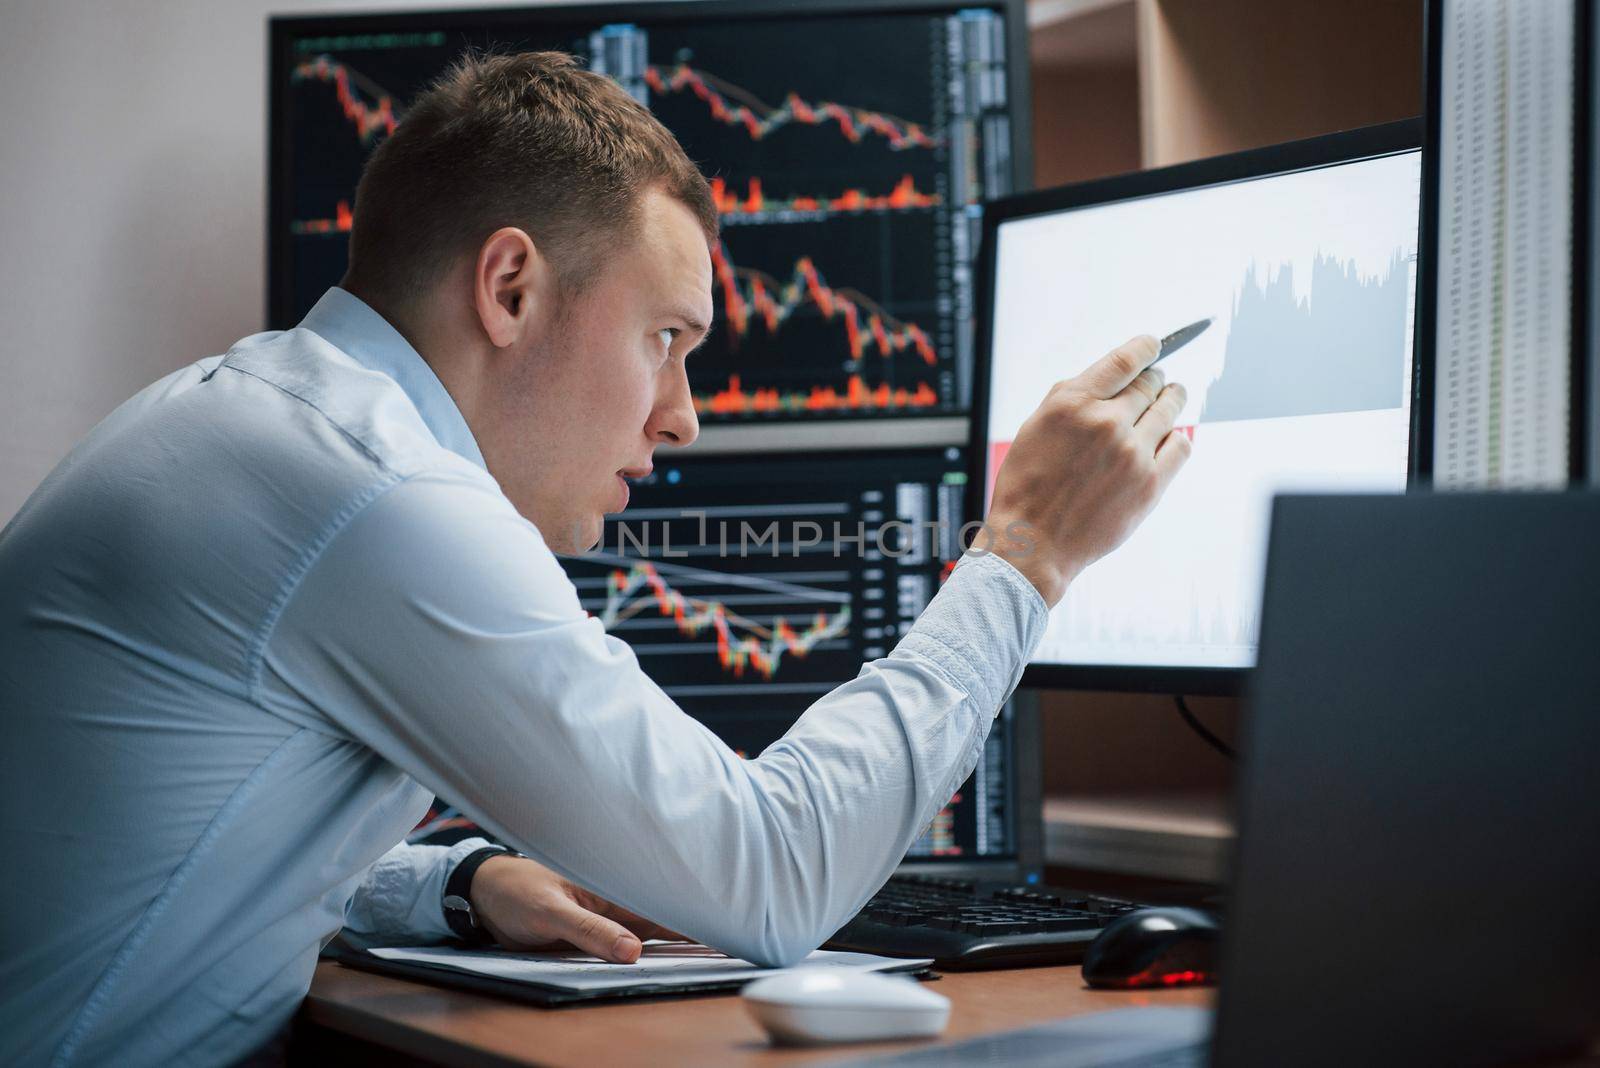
(506, 287)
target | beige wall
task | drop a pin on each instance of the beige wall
(132, 204)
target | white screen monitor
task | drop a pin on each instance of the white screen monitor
(1305, 257)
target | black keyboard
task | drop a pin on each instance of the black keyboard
(961, 923)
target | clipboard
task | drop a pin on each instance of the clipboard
(542, 995)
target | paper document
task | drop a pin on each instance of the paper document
(675, 963)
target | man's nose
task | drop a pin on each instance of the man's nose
(674, 421)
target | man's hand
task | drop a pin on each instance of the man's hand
(1086, 467)
(527, 906)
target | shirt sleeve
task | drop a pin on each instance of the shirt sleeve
(438, 628)
(401, 898)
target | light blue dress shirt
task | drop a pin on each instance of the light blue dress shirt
(274, 602)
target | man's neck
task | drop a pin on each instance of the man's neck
(437, 341)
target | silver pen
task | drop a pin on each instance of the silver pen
(1179, 338)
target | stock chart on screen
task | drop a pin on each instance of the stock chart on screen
(1301, 383)
(847, 153)
(745, 613)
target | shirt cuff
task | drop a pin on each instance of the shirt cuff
(402, 898)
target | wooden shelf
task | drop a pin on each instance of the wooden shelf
(1085, 89)
(1045, 13)
(1226, 75)
(1172, 836)
(1124, 84)
(1082, 33)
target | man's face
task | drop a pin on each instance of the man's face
(604, 382)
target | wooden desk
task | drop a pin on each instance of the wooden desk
(458, 1028)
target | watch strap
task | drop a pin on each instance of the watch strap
(457, 904)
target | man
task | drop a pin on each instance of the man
(278, 599)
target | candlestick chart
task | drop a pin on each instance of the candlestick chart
(835, 277)
(796, 343)
(744, 643)
(771, 579)
(755, 205)
(845, 156)
(368, 107)
(734, 106)
(812, 321)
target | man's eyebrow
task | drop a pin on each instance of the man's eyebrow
(692, 321)
(695, 325)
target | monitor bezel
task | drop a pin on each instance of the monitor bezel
(283, 29)
(1349, 146)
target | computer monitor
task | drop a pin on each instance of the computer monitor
(1304, 255)
(1504, 304)
(849, 147)
(1418, 759)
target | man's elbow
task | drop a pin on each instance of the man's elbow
(780, 945)
(782, 953)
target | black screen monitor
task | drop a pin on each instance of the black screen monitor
(1304, 256)
(849, 146)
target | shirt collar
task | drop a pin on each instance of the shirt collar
(350, 324)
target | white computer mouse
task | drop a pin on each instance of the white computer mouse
(814, 1006)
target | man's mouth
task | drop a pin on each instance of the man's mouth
(626, 475)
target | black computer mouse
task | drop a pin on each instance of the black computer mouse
(1154, 947)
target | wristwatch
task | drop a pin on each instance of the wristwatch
(458, 911)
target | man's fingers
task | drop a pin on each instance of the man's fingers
(1161, 416)
(1142, 392)
(593, 933)
(1112, 373)
(1172, 454)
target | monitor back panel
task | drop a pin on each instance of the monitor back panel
(1420, 808)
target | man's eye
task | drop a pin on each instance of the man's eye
(668, 335)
